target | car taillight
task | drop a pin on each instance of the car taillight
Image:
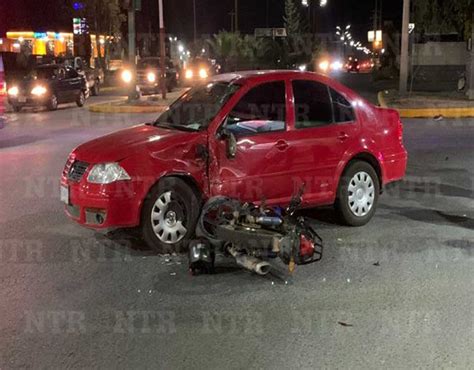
(400, 131)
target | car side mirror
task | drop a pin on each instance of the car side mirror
(231, 143)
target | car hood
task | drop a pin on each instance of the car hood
(125, 143)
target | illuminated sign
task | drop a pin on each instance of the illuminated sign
(80, 26)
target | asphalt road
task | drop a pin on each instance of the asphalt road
(397, 293)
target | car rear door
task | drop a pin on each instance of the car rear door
(324, 127)
(260, 168)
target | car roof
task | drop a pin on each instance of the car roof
(254, 76)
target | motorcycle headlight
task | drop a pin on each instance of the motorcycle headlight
(13, 91)
(127, 76)
(107, 173)
(38, 90)
(151, 77)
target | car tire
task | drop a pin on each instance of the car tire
(357, 194)
(16, 108)
(81, 99)
(53, 102)
(96, 88)
(169, 215)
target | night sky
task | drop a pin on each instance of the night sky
(213, 15)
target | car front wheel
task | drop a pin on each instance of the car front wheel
(81, 99)
(169, 215)
(358, 194)
(53, 102)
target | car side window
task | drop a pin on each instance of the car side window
(313, 107)
(343, 111)
(261, 110)
(71, 73)
(60, 73)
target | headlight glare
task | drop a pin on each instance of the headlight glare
(151, 77)
(13, 91)
(107, 173)
(189, 74)
(203, 73)
(38, 90)
(127, 76)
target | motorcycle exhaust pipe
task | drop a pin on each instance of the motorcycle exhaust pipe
(254, 264)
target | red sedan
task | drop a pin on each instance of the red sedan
(3, 93)
(251, 136)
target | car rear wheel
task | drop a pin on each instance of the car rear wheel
(169, 215)
(81, 99)
(358, 194)
(53, 102)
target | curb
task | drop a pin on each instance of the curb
(466, 112)
(111, 108)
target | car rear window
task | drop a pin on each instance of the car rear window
(318, 105)
(343, 111)
(313, 107)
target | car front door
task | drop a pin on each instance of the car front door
(73, 84)
(324, 128)
(260, 168)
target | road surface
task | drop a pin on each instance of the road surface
(397, 293)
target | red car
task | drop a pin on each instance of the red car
(252, 136)
(3, 93)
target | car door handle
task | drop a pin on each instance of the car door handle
(343, 136)
(282, 145)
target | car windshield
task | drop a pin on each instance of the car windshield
(149, 63)
(42, 73)
(197, 107)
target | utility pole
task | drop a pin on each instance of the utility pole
(470, 67)
(236, 25)
(404, 48)
(132, 49)
(162, 51)
(195, 24)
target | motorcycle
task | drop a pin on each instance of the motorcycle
(253, 235)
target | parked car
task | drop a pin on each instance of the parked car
(48, 85)
(353, 65)
(251, 136)
(3, 93)
(148, 76)
(94, 76)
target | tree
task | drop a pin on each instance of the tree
(444, 16)
(292, 18)
(104, 18)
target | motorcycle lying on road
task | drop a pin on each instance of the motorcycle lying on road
(253, 235)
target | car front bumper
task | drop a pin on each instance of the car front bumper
(110, 206)
(28, 100)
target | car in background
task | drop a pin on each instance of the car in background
(148, 73)
(198, 70)
(3, 93)
(353, 65)
(247, 135)
(48, 85)
(94, 76)
(329, 65)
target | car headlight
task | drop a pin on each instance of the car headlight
(13, 91)
(39, 90)
(302, 67)
(324, 65)
(107, 173)
(151, 77)
(203, 73)
(189, 74)
(336, 66)
(127, 76)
